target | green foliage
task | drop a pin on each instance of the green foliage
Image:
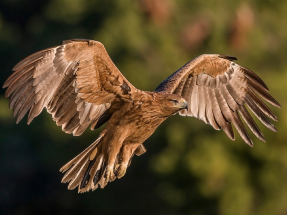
(189, 168)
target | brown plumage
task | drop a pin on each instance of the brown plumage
(80, 86)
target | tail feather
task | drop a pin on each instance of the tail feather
(88, 170)
(91, 178)
(75, 164)
(80, 156)
(83, 167)
(79, 176)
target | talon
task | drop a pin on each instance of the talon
(120, 170)
(109, 175)
(116, 168)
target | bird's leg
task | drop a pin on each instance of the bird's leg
(125, 156)
(112, 154)
(112, 145)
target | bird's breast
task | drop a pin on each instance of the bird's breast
(141, 121)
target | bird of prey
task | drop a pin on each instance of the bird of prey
(80, 86)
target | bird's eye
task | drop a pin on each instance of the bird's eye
(174, 101)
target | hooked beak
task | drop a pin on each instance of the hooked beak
(181, 104)
(185, 105)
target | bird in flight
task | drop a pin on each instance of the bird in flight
(80, 86)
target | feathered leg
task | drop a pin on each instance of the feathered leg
(113, 142)
(125, 156)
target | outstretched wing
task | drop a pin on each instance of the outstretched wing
(76, 82)
(217, 91)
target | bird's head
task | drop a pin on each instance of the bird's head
(178, 102)
(172, 103)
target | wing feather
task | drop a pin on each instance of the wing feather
(76, 82)
(189, 83)
(254, 78)
(17, 82)
(20, 91)
(35, 110)
(202, 104)
(258, 89)
(21, 101)
(217, 91)
(209, 113)
(193, 99)
(259, 114)
(219, 118)
(24, 108)
(261, 105)
(64, 118)
(71, 124)
(241, 129)
(31, 59)
(179, 89)
(228, 98)
(251, 123)
(235, 94)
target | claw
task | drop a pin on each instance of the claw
(120, 170)
(109, 174)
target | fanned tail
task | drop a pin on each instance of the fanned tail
(87, 169)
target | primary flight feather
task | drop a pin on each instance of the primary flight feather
(80, 86)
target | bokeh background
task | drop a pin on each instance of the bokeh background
(189, 168)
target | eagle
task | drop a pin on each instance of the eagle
(79, 85)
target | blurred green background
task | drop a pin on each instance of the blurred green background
(189, 168)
